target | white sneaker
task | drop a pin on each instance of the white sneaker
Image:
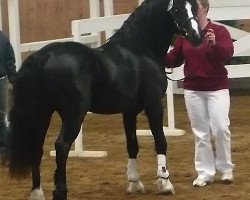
(201, 181)
(227, 177)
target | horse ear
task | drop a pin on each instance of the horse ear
(170, 5)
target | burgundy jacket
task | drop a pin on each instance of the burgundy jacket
(204, 67)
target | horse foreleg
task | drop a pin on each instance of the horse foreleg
(135, 185)
(163, 183)
(155, 117)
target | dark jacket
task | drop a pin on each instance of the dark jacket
(7, 56)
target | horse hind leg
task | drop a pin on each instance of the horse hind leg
(135, 185)
(37, 194)
(71, 125)
(42, 124)
(155, 118)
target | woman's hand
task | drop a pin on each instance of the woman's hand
(210, 37)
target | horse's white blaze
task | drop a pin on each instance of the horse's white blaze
(170, 5)
(37, 194)
(189, 10)
(191, 16)
(195, 26)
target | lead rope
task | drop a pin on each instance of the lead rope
(171, 72)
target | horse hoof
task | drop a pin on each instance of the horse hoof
(62, 195)
(135, 187)
(37, 194)
(164, 186)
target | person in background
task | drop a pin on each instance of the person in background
(7, 73)
(206, 93)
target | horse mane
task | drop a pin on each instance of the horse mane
(145, 26)
(130, 25)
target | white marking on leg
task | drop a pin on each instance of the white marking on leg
(132, 170)
(164, 186)
(162, 171)
(135, 185)
(37, 194)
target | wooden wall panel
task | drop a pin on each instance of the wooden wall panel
(5, 17)
(125, 6)
(51, 19)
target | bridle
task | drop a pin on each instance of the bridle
(181, 27)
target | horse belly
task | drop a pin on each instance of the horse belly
(106, 106)
(109, 103)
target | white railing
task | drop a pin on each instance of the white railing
(98, 24)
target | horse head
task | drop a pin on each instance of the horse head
(184, 13)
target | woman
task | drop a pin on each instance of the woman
(206, 93)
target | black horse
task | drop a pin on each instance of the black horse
(125, 75)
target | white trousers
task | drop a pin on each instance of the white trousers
(208, 113)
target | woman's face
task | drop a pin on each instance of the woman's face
(202, 11)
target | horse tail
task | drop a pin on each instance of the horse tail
(25, 141)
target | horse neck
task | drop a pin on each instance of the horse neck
(148, 30)
(152, 43)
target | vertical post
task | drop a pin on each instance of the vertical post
(14, 29)
(108, 7)
(94, 9)
(75, 31)
(170, 105)
(1, 20)
(108, 11)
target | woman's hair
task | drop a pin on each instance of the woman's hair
(205, 4)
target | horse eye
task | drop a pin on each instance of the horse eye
(183, 32)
